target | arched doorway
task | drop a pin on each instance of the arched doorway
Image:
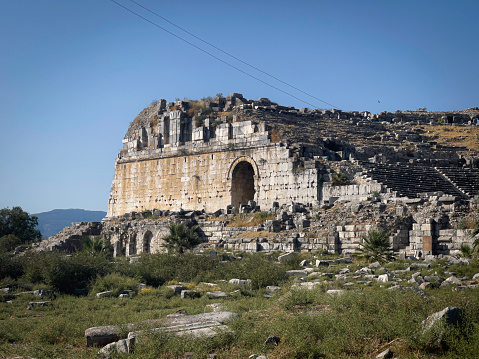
(132, 245)
(242, 184)
(147, 242)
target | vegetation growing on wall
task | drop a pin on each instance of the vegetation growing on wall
(339, 179)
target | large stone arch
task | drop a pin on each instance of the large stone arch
(146, 243)
(131, 250)
(243, 175)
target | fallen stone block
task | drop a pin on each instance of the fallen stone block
(335, 292)
(272, 339)
(383, 278)
(196, 325)
(296, 272)
(273, 287)
(439, 321)
(33, 305)
(453, 280)
(240, 282)
(189, 294)
(176, 288)
(130, 293)
(286, 256)
(216, 294)
(108, 293)
(385, 354)
(43, 292)
(122, 346)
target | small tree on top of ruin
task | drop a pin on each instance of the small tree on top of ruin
(181, 238)
(339, 179)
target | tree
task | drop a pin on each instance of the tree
(376, 246)
(180, 238)
(339, 179)
(95, 246)
(19, 223)
(9, 242)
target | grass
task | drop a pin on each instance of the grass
(310, 323)
(250, 219)
(458, 136)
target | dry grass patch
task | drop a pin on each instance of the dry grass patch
(458, 136)
(250, 219)
(276, 135)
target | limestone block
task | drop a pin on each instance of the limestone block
(427, 227)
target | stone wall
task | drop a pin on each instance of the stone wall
(210, 181)
(349, 193)
(238, 164)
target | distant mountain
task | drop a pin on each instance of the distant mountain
(52, 222)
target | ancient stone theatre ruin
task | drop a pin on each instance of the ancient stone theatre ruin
(321, 178)
(171, 161)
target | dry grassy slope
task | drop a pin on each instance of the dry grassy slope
(312, 129)
(457, 136)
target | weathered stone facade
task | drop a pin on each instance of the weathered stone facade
(324, 178)
(171, 164)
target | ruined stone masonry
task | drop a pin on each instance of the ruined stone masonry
(325, 177)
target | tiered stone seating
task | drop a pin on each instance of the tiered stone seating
(410, 181)
(467, 179)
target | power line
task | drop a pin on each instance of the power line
(230, 55)
(216, 57)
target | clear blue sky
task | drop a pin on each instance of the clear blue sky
(73, 74)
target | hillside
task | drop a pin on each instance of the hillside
(52, 222)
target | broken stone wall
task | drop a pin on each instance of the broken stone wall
(350, 193)
(238, 165)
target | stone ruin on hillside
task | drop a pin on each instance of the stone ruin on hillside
(203, 161)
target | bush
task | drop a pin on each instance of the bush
(9, 242)
(181, 238)
(376, 246)
(261, 269)
(339, 179)
(157, 269)
(10, 267)
(65, 273)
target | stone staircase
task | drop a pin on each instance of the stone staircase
(410, 181)
(466, 179)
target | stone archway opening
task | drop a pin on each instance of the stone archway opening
(147, 242)
(242, 184)
(132, 245)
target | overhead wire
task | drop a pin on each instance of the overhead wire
(230, 55)
(218, 58)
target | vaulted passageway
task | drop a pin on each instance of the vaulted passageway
(147, 242)
(242, 184)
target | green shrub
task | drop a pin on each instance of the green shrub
(157, 269)
(65, 273)
(10, 267)
(376, 246)
(261, 269)
(181, 238)
(339, 179)
(466, 250)
(9, 242)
